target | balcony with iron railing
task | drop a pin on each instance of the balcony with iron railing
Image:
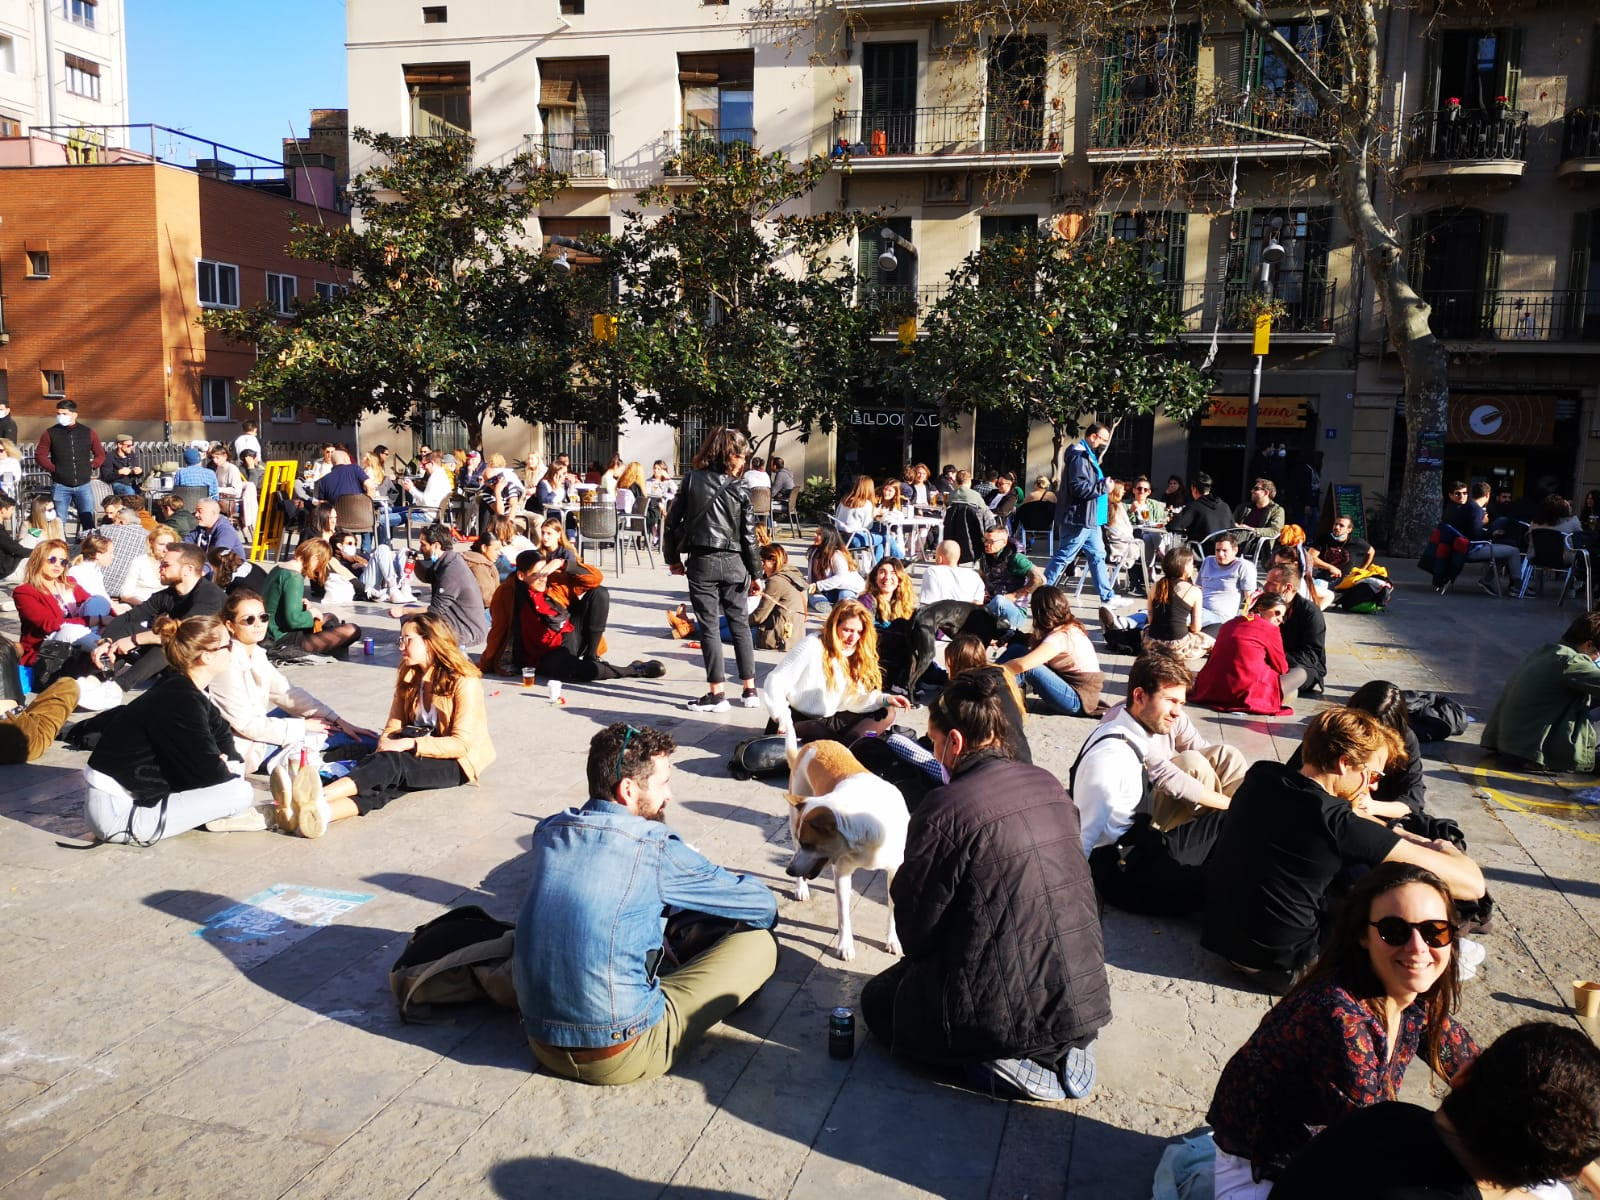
(1229, 122)
(1580, 143)
(1311, 309)
(721, 144)
(1514, 317)
(585, 158)
(1466, 142)
(901, 138)
(894, 303)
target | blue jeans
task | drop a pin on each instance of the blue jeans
(823, 602)
(1058, 695)
(123, 489)
(875, 540)
(1005, 606)
(82, 496)
(1073, 538)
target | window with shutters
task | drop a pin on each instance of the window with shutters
(1478, 70)
(575, 115)
(83, 77)
(441, 99)
(1162, 238)
(1300, 280)
(1147, 86)
(889, 97)
(1454, 259)
(718, 95)
(1015, 109)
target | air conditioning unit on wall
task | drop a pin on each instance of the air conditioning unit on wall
(589, 164)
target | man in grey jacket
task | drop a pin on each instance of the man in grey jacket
(455, 595)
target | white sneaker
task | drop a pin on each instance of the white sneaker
(251, 820)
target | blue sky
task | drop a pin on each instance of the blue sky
(237, 73)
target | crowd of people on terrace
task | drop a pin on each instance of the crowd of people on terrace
(1324, 880)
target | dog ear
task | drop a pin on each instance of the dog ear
(822, 820)
(794, 801)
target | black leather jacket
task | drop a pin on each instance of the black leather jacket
(711, 513)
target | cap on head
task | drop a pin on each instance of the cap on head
(124, 439)
(191, 457)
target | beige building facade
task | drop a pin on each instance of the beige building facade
(62, 63)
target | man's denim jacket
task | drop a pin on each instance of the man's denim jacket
(602, 886)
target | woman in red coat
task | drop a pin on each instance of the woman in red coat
(1244, 670)
(50, 604)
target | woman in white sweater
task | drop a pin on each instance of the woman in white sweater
(830, 685)
(252, 690)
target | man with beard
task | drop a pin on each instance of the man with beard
(611, 989)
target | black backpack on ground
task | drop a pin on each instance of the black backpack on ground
(1434, 717)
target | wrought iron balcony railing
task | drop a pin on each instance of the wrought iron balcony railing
(1228, 118)
(1467, 135)
(1311, 306)
(1580, 134)
(578, 155)
(1570, 315)
(891, 132)
(894, 303)
(704, 141)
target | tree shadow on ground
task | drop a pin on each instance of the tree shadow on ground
(524, 1177)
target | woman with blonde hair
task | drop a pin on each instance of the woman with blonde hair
(10, 468)
(891, 507)
(166, 762)
(43, 522)
(855, 514)
(831, 684)
(630, 489)
(292, 619)
(54, 607)
(437, 736)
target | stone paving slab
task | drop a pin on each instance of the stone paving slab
(142, 1055)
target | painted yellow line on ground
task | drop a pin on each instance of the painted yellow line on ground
(1538, 810)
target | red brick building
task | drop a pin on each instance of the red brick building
(107, 259)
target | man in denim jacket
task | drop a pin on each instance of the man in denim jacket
(602, 1000)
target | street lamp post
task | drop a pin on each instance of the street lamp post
(1271, 255)
(605, 324)
(888, 263)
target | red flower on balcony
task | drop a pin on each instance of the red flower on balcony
(1501, 100)
(1454, 102)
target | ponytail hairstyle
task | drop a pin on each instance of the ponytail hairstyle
(225, 564)
(187, 641)
(971, 704)
(1175, 565)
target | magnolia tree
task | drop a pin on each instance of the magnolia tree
(449, 309)
(1058, 331)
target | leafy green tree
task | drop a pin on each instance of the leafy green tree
(732, 305)
(449, 309)
(1056, 331)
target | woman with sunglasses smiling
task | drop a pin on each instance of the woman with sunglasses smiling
(166, 762)
(266, 712)
(52, 606)
(1383, 989)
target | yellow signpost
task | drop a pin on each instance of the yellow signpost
(1263, 333)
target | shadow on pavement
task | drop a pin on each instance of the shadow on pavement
(1559, 1010)
(47, 798)
(1575, 887)
(523, 1177)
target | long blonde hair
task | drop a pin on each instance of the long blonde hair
(865, 495)
(448, 664)
(632, 476)
(860, 672)
(901, 602)
(36, 518)
(33, 573)
(373, 468)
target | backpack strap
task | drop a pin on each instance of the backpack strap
(1147, 793)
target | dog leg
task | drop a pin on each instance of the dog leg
(892, 942)
(802, 889)
(841, 892)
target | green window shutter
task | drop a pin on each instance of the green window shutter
(1510, 65)
(1108, 109)
(1430, 74)
(1189, 47)
(1416, 249)
(1236, 266)
(1319, 223)
(1494, 236)
(1177, 245)
(1250, 62)
(1579, 301)
(1102, 226)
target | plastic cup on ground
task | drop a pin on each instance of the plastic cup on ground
(527, 677)
(555, 691)
(1586, 998)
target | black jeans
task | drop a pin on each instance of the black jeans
(589, 614)
(718, 585)
(564, 663)
(380, 777)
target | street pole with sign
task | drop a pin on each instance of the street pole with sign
(1271, 255)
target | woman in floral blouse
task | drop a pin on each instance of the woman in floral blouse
(1383, 988)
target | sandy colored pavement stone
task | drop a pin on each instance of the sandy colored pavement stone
(145, 1053)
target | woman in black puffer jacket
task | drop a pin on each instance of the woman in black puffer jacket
(710, 536)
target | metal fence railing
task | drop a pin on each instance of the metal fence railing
(1580, 134)
(997, 129)
(1467, 135)
(1568, 315)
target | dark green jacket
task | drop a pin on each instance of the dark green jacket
(1543, 711)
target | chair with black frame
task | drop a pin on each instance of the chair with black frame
(1550, 550)
(597, 523)
(632, 530)
(191, 494)
(1035, 517)
(356, 514)
(963, 525)
(293, 521)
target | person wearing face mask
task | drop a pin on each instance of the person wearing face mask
(454, 594)
(994, 983)
(1290, 834)
(71, 454)
(610, 987)
(1543, 714)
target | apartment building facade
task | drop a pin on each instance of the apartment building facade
(62, 63)
(106, 263)
(1191, 139)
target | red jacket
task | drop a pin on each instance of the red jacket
(41, 614)
(1242, 673)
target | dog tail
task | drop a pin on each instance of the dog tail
(791, 746)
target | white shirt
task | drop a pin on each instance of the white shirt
(246, 441)
(853, 520)
(1110, 782)
(799, 681)
(757, 479)
(940, 582)
(1224, 588)
(89, 577)
(248, 690)
(435, 491)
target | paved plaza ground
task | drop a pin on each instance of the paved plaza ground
(211, 1017)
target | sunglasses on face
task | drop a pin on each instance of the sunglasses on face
(1396, 931)
(56, 559)
(254, 619)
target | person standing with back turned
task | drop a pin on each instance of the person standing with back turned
(1081, 509)
(710, 536)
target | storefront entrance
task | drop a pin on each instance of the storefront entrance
(872, 441)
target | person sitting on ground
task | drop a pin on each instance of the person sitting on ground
(26, 730)
(1528, 1111)
(512, 534)
(43, 522)
(166, 762)
(232, 573)
(175, 514)
(993, 982)
(1386, 986)
(1058, 661)
(543, 636)
(437, 736)
(185, 592)
(967, 652)
(1245, 670)
(268, 714)
(1290, 834)
(1227, 583)
(1542, 716)
(778, 622)
(1261, 515)
(891, 598)
(211, 528)
(1304, 632)
(1009, 577)
(142, 576)
(853, 518)
(376, 576)
(1146, 757)
(831, 685)
(52, 607)
(610, 987)
(12, 552)
(1204, 515)
(1173, 624)
(482, 556)
(834, 578)
(1292, 551)
(293, 620)
(1339, 551)
(1402, 791)
(946, 579)
(454, 592)
(88, 570)
(110, 510)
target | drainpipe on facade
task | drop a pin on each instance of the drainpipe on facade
(49, 63)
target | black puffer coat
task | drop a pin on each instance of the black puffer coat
(996, 911)
(711, 513)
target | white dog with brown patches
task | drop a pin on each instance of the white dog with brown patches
(843, 816)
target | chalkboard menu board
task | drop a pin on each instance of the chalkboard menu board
(1344, 499)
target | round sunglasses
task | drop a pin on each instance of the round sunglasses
(1396, 931)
